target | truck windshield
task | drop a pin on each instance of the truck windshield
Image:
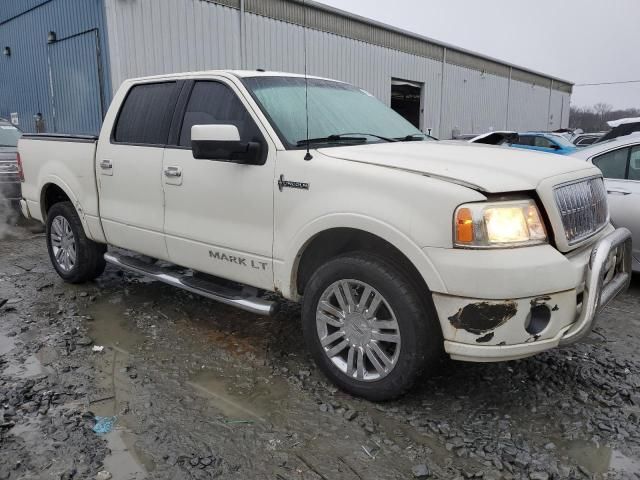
(9, 135)
(339, 113)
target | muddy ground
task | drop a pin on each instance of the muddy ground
(200, 391)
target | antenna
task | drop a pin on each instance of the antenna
(308, 156)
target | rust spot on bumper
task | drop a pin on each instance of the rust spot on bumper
(482, 317)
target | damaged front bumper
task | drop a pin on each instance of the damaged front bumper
(486, 330)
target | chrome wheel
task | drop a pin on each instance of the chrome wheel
(63, 243)
(358, 330)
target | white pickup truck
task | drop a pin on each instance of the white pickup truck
(399, 247)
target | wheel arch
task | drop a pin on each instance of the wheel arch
(54, 191)
(327, 243)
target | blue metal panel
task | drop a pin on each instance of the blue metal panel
(26, 77)
(13, 8)
(75, 84)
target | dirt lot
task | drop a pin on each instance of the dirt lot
(200, 390)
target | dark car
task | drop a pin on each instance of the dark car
(9, 169)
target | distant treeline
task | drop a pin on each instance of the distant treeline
(594, 119)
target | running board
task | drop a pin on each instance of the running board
(245, 299)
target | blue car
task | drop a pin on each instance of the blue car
(545, 142)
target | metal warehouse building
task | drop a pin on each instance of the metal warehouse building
(62, 60)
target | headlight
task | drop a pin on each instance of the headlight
(500, 224)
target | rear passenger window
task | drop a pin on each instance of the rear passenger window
(613, 164)
(145, 116)
(213, 103)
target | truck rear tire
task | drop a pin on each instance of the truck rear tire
(368, 326)
(76, 258)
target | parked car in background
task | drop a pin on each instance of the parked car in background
(498, 137)
(619, 161)
(10, 170)
(582, 140)
(621, 127)
(545, 142)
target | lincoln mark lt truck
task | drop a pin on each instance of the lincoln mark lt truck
(399, 247)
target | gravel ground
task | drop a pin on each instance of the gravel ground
(200, 390)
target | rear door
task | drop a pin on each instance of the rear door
(129, 169)
(219, 214)
(621, 169)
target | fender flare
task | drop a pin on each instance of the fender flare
(58, 182)
(286, 270)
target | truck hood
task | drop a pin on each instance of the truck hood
(481, 167)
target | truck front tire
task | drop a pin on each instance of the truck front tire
(76, 258)
(368, 327)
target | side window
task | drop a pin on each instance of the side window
(613, 164)
(145, 116)
(525, 140)
(543, 142)
(214, 103)
(634, 163)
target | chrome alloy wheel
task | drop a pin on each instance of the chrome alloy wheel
(63, 243)
(358, 330)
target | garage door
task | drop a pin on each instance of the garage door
(75, 84)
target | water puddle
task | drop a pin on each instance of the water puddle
(242, 398)
(113, 326)
(125, 461)
(6, 344)
(598, 459)
(30, 368)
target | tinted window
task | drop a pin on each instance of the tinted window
(634, 164)
(544, 142)
(213, 103)
(586, 141)
(526, 140)
(145, 117)
(613, 164)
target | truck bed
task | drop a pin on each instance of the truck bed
(66, 160)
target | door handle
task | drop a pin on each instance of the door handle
(106, 164)
(173, 172)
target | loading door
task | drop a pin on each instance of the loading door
(74, 64)
(406, 99)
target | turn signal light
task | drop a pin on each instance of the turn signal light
(464, 226)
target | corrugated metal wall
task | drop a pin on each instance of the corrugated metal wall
(25, 76)
(151, 37)
(162, 36)
(473, 101)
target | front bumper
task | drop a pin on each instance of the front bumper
(482, 330)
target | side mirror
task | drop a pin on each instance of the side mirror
(553, 146)
(222, 142)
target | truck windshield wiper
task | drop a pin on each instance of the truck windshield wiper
(343, 137)
(415, 137)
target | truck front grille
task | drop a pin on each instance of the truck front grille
(583, 208)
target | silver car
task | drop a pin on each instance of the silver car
(619, 160)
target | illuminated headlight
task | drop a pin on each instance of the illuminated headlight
(500, 224)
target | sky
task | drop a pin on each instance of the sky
(583, 41)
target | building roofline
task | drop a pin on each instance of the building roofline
(376, 23)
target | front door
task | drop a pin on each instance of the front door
(219, 214)
(129, 169)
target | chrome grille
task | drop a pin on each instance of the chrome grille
(583, 208)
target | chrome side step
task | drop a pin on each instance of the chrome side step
(245, 299)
